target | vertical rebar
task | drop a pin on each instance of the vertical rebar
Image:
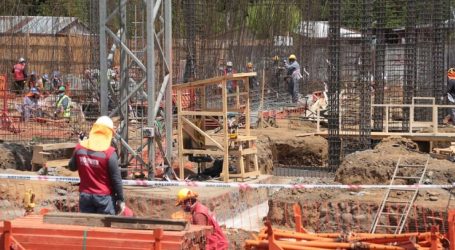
(334, 85)
(103, 59)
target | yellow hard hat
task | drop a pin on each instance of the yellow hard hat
(276, 58)
(292, 57)
(185, 194)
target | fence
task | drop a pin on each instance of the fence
(242, 207)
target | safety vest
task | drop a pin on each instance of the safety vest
(67, 110)
(93, 170)
(217, 240)
(18, 71)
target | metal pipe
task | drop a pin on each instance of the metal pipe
(150, 70)
(168, 60)
(103, 60)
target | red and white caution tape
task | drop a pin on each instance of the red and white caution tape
(241, 186)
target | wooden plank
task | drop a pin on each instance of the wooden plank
(99, 220)
(449, 137)
(305, 134)
(225, 133)
(246, 151)
(244, 138)
(246, 175)
(57, 163)
(180, 134)
(55, 146)
(203, 113)
(202, 133)
(213, 80)
(202, 152)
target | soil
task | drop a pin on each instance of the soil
(376, 166)
(337, 210)
(281, 146)
(237, 237)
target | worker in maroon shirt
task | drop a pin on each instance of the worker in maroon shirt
(200, 215)
(97, 163)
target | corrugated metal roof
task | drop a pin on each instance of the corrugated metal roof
(320, 29)
(42, 25)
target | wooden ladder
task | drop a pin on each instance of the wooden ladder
(403, 207)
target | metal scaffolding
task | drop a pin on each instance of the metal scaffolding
(156, 69)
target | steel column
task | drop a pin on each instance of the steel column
(103, 63)
(150, 27)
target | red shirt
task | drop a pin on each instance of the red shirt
(216, 240)
(93, 170)
(18, 71)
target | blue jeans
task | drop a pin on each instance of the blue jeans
(94, 203)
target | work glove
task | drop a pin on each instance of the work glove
(120, 207)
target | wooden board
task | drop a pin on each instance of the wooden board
(57, 163)
(413, 136)
(55, 146)
(99, 220)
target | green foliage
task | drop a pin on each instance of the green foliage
(270, 18)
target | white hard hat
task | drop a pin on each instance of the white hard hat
(229, 64)
(21, 60)
(105, 121)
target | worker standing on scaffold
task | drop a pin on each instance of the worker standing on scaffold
(97, 163)
(20, 76)
(200, 215)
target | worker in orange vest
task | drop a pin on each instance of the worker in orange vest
(200, 215)
(20, 76)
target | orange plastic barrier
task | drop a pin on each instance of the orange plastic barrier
(31, 233)
(275, 239)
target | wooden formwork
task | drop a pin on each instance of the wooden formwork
(213, 102)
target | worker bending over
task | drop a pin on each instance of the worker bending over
(200, 215)
(31, 108)
(97, 163)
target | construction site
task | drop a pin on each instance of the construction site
(298, 124)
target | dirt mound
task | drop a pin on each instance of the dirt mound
(15, 156)
(376, 166)
(281, 146)
(301, 151)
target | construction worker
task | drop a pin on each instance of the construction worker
(31, 106)
(56, 80)
(200, 215)
(292, 77)
(451, 92)
(253, 81)
(20, 76)
(229, 70)
(97, 164)
(63, 104)
(44, 85)
(32, 80)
